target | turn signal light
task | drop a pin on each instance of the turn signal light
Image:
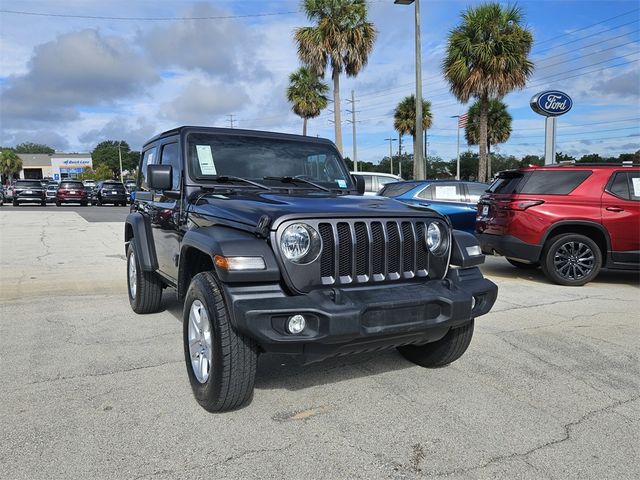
(239, 263)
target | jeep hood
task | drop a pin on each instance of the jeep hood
(247, 208)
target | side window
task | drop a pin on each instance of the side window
(625, 185)
(382, 181)
(148, 157)
(448, 192)
(555, 182)
(475, 191)
(171, 156)
(427, 193)
(620, 185)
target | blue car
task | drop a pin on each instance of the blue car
(454, 198)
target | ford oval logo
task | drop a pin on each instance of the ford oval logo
(551, 103)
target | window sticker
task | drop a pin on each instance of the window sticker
(636, 186)
(341, 183)
(205, 159)
(446, 192)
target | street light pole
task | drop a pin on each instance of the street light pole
(418, 158)
(391, 152)
(458, 150)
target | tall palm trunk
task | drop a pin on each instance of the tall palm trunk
(488, 160)
(484, 118)
(336, 109)
(304, 126)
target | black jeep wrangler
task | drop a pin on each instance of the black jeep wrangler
(269, 242)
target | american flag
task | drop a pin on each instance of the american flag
(462, 120)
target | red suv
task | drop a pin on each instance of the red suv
(572, 220)
(71, 191)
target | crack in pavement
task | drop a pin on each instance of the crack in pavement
(245, 453)
(523, 455)
(525, 307)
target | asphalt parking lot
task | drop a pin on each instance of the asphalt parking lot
(549, 388)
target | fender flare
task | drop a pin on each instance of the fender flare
(226, 241)
(580, 223)
(142, 238)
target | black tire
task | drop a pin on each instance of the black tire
(15, 203)
(443, 352)
(43, 203)
(234, 357)
(84, 204)
(571, 259)
(147, 294)
(523, 265)
(58, 203)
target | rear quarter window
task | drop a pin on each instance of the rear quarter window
(554, 182)
(397, 189)
(507, 182)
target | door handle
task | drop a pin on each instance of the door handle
(615, 209)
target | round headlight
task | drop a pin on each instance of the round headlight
(300, 243)
(436, 239)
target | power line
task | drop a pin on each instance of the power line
(144, 19)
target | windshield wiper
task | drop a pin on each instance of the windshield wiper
(298, 179)
(232, 178)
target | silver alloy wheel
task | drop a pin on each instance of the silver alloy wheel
(574, 260)
(200, 344)
(132, 275)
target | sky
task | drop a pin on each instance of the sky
(73, 82)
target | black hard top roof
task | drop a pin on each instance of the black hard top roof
(237, 131)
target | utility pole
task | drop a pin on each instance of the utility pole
(230, 119)
(391, 140)
(462, 122)
(400, 153)
(353, 122)
(120, 157)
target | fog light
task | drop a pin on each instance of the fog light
(474, 250)
(296, 324)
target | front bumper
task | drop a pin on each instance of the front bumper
(509, 246)
(345, 321)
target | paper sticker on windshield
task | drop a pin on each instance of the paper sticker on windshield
(341, 183)
(446, 192)
(205, 159)
(636, 186)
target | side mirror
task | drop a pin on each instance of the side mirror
(359, 181)
(159, 177)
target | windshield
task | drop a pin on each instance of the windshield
(72, 185)
(28, 183)
(256, 158)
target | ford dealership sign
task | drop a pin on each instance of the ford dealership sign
(551, 103)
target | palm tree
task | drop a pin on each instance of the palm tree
(487, 57)
(404, 120)
(10, 164)
(342, 38)
(306, 93)
(498, 126)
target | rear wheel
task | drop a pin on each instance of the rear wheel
(571, 259)
(43, 203)
(145, 288)
(84, 204)
(523, 265)
(221, 363)
(443, 352)
(15, 203)
(58, 203)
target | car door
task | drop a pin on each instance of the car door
(621, 215)
(164, 213)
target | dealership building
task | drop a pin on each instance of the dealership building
(58, 166)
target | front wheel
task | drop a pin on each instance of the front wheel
(145, 288)
(571, 259)
(221, 363)
(443, 352)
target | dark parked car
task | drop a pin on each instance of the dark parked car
(109, 191)
(72, 192)
(268, 241)
(28, 191)
(1, 196)
(572, 220)
(457, 200)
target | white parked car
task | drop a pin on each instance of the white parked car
(374, 181)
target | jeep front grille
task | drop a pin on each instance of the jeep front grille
(363, 251)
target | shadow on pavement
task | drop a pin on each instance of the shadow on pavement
(499, 267)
